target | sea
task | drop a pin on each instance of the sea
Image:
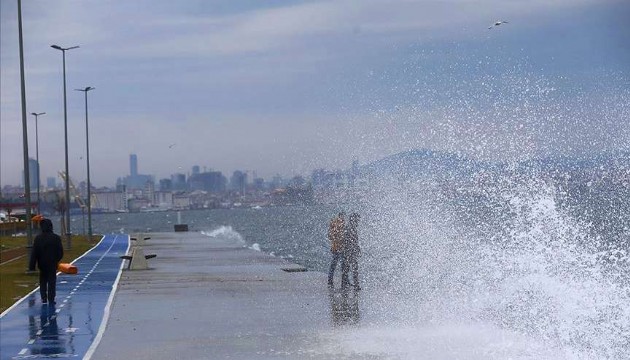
(509, 263)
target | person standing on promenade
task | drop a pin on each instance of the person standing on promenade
(46, 253)
(335, 236)
(351, 252)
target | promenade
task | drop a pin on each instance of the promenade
(212, 298)
(201, 298)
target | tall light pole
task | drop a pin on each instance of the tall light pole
(39, 209)
(87, 145)
(27, 178)
(65, 130)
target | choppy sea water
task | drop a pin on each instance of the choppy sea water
(514, 274)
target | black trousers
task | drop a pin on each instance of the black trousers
(48, 284)
(350, 264)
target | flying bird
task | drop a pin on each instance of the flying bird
(497, 23)
(171, 146)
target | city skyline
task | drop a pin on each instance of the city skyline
(251, 175)
(285, 87)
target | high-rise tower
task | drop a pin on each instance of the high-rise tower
(133, 164)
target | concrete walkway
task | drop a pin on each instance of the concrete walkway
(212, 298)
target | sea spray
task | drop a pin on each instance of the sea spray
(226, 232)
(538, 276)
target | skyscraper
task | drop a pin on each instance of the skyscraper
(33, 169)
(133, 165)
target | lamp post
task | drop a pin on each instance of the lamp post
(65, 130)
(87, 145)
(27, 180)
(39, 209)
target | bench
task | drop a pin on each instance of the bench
(140, 240)
(137, 259)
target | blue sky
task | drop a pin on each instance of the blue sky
(287, 86)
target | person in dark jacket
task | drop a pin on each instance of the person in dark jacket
(46, 253)
(351, 252)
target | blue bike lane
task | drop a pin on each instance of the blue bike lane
(32, 330)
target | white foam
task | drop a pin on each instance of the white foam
(255, 246)
(225, 232)
(540, 274)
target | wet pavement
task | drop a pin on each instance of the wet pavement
(212, 298)
(32, 330)
(202, 297)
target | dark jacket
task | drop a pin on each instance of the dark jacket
(351, 238)
(47, 249)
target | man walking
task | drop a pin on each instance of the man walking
(335, 236)
(46, 253)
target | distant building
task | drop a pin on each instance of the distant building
(277, 182)
(259, 184)
(135, 180)
(51, 182)
(178, 182)
(166, 185)
(181, 201)
(163, 199)
(212, 181)
(33, 174)
(238, 181)
(195, 169)
(133, 164)
(149, 191)
(110, 201)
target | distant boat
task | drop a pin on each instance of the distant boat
(121, 211)
(257, 207)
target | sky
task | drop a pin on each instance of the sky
(284, 87)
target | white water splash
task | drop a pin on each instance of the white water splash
(538, 286)
(225, 232)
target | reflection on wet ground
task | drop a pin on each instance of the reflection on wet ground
(66, 329)
(344, 306)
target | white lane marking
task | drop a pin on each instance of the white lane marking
(23, 351)
(101, 329)
(39, 332)
(31, 342)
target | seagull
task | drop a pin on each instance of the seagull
(171, 146)
(497, 23)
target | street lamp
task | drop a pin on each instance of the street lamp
(39, 210)
(65, 130)
(87, 145)
(27, 179)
